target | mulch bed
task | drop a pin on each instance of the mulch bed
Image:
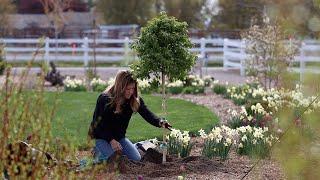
(194, 166)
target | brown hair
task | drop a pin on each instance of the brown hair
(116, 92)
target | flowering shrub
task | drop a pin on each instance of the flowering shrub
(175, 87)
(218, 142)
(74, 84)
(255, 141)
(144, 86)
(111, 82)
(193, 85)
(98, 85)
(269, 55)
(208, 80)
(179, 143)
(193, 80)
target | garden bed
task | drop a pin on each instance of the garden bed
(196, 166)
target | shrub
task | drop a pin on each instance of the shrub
(144, 86)
(98, 85)
(74, 84)
(208, 81)
(219, 89)
(2, 63)
(193, 90)
(193, 80)
(27, 117)
(269, 54)
(175, 87)
(175, 90)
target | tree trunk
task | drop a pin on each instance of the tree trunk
(164, 111)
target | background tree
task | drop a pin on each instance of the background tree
(189, 11)
(6, 8)
(238, 14)
(269, 55)
(126, 12)
(163, 49)
(54, 10)
(300, 17)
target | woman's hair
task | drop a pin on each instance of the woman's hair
(117, 92)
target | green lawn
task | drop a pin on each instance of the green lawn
(74, 114)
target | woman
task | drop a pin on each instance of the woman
(111, 118)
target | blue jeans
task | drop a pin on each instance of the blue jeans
(103, 150)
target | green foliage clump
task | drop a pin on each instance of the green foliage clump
(193, 90)
(2, 62)
(219, 89)
(175, 90)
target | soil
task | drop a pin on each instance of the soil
(194, 166)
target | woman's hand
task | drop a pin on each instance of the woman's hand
(116, 146)
(165, 124)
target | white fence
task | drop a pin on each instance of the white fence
(235, 56)
(231, 52)
(85, 50)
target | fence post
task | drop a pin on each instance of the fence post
(225, 48)
(47, 50)
(126, 45)
(302, 61)
(202, 54)
(242, 58)
(126, 58)
(85, 51)
(202, 47)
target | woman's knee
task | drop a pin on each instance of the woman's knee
(130, 150)
(136, 157)
(102, 150)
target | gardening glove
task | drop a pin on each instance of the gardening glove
(165, 124)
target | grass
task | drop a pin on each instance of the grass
(75, 109)
(215, 64)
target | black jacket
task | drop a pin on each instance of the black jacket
(108, 125)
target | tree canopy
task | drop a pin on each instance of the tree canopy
(6, 8)
(163, 48)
